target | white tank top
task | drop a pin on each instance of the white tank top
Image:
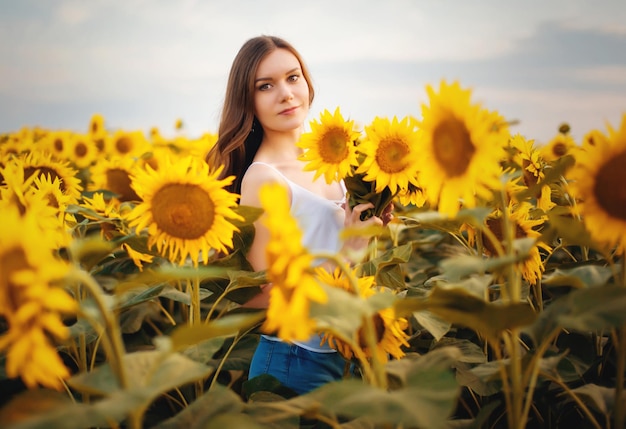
(321, 222)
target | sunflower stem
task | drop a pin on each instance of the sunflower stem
(111, 327)
(195, 301)
(618, 409)
(512, 339)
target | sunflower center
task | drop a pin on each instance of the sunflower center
(183, 211)
(80, 150)
(609, 190)
(453, 146)
(124, 145)
(99, 144)
(559, 149)
(391, 155)
(58, 145)
(11, 261)
(43, 173)
(379, 328)
(118, 182)
(495, 225)
(333, 148)
(529, 177)
(53, 201)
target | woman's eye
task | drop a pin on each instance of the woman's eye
(264, 87)
(293, 77)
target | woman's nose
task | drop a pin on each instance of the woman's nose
(286, 92)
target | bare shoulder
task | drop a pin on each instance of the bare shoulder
(255, 177)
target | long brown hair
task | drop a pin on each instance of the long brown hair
(240, 133)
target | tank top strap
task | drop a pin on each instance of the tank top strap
(270, 166)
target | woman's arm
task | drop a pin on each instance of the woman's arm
(251, 184)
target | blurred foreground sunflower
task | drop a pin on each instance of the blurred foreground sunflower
(330, 146)
(461, 146)
(598, 180)
(31, 302)
(186, 210)
(289, 270)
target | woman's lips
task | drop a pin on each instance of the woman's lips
(289, 111)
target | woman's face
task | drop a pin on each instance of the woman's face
(281, 95)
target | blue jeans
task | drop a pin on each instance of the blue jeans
(295, 367)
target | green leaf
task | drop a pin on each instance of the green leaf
(571, 231)
(186, 336)
(140, 296)
(585, 276)
(427, 400)
(475, 216)
(249, 213)
(169, 273)
(88, 252)
(70, 415)
(219, 401)
(460, 307)
(386, 267)
(149, 373)
(459, 267)
(344, 312)
(599, 397)
(434, 324)
(469, 352)
(177, 295)
(582, 310)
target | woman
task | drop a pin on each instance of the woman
(268, 96)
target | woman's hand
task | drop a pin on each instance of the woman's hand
(353, 220)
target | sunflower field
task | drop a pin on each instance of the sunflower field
(494, 298)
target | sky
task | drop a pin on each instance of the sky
(147, 63)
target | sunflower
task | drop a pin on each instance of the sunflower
(126, 144)
(50, 191)
(30, 302)
(20, 194)
(82, 150)
(97, 208)
(96, 127)
(289, 271)
(185, 209)
(598, 182)
(525, 226)
(137, 257)
(114, 175)
(413, 195)
(12, 146)
(527, 158)
(390, 330)
(461, 146)
(42, 164)
(390, 151)
(57, 144)
(560, 145)
(593, 137)
(329, 148)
